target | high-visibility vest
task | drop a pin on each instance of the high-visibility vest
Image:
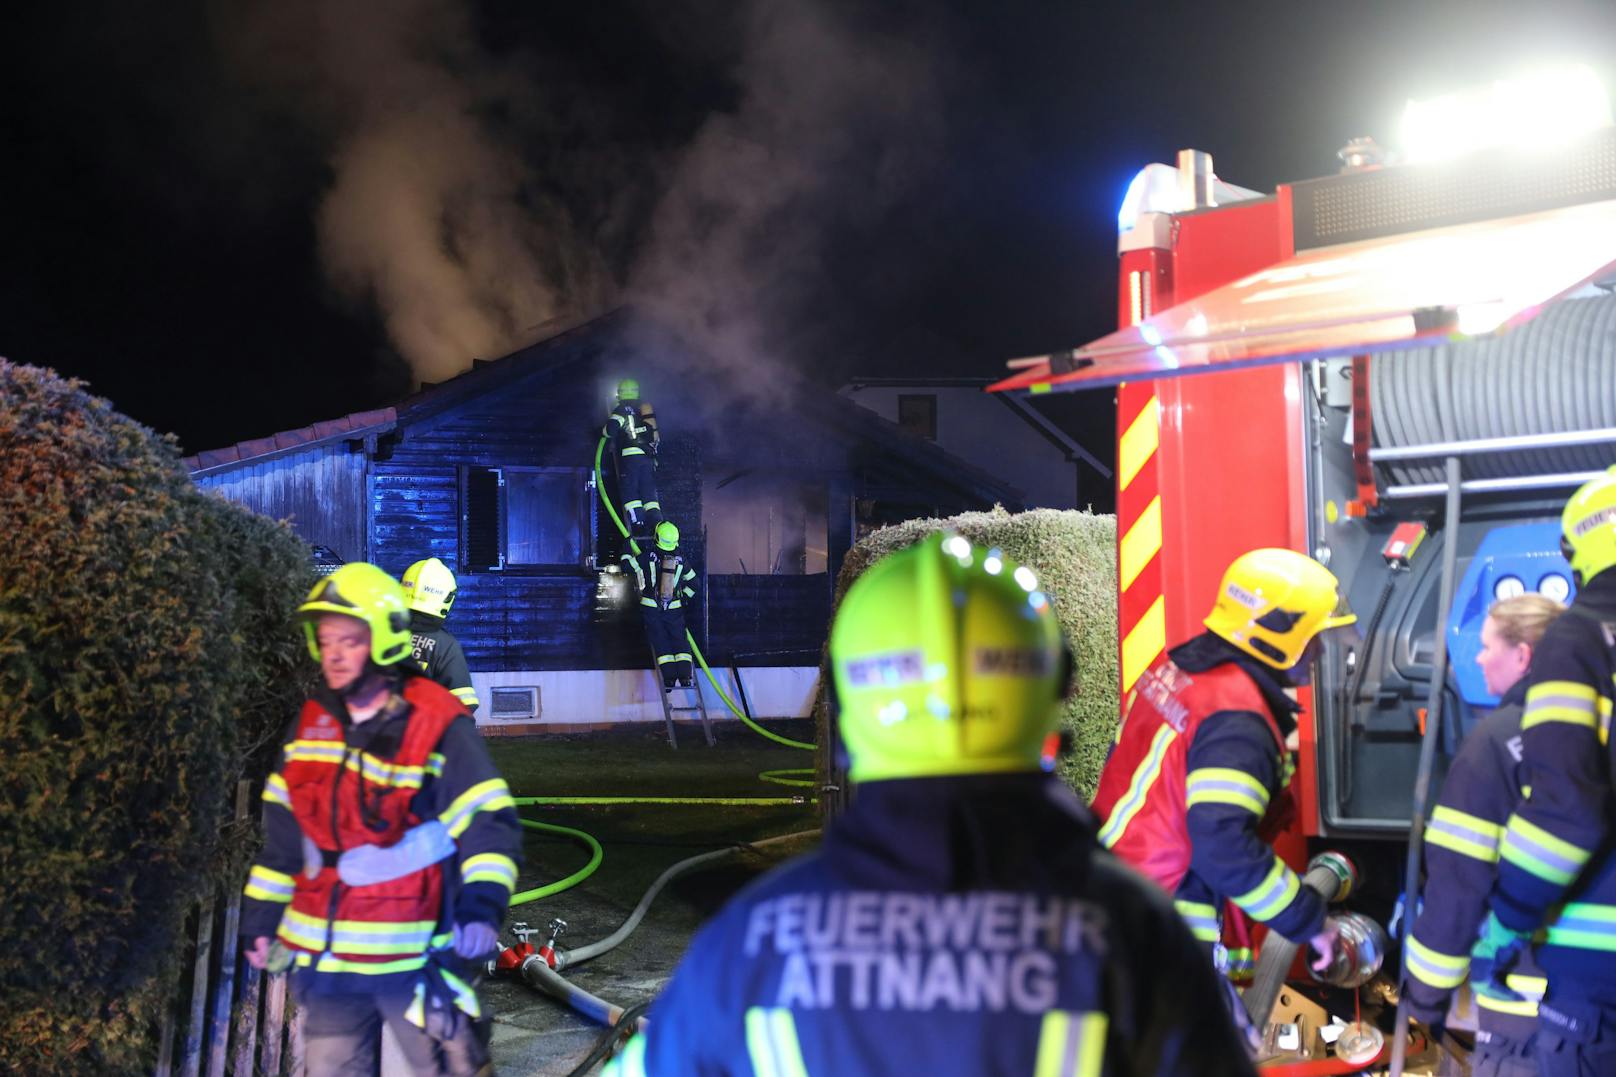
(343, 797)
(1141, 797)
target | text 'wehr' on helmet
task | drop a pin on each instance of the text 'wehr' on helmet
(430, 587)
(362, 591)
(1272, 602)
(948, 660)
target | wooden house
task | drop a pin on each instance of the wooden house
(492, 472)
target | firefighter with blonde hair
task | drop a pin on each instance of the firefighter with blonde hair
(1556, 869)
(1482, 788)
(959, 917)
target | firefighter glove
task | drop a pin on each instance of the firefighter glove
(475, 941)
(1495, 955)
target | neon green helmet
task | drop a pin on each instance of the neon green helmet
(948, 660)
(1588, 527)
(628, 389)
(667, 536)
(430, 587)
(359, 589)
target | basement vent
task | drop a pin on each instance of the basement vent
(514, 702)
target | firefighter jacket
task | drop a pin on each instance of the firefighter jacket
(662, 578)
(1198, 778)
(946, 925)
(438, 654)
(1482, 788)
(1557, 846)
(629, 433)
(339, 786)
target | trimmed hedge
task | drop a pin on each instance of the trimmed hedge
(146, 650)
(1074, 555)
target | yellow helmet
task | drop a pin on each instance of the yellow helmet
(948, 660)
(359, 589)
(1272, 602)
(429, 587)
(667, 536)
(628, 389)
(1588, 527)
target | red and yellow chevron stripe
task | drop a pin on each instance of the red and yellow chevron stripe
(1142, 613)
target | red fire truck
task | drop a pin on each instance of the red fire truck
(1402, 369)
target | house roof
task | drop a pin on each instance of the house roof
(358, 425)
(1022, 406)
(583, 341)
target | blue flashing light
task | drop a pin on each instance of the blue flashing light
(1507, 558)
(1153, 189)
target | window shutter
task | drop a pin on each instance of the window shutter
(483, 521)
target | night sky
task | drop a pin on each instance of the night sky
(235, 218)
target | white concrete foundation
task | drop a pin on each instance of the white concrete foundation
(596, 696)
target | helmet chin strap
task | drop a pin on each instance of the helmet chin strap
(368, 681)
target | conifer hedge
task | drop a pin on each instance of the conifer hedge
(146, 652)
(1074, 555)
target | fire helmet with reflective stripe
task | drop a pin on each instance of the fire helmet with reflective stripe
(429, 587)
(667, 536)
(1588, 527)
(361, 590)
(628, 389)
(1272, 602)
(948, 660)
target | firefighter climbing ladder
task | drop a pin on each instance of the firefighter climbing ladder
(692, 691)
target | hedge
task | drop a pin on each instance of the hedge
(146, 651)
(1074, 555)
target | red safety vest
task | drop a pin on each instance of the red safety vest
(1141, 797)
(342, 798)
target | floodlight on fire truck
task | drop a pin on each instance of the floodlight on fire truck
(1554, 586)
(1508, 587)
(1535, 109)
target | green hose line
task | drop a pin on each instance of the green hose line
(600, 488)
(782, 777)
(595, 856)
(760, 802)
(736, 711)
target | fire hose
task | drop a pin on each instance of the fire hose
(541, 968)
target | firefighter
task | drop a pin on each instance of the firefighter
(667, 587)
(390, 846)
(1557, 871)
(1197, 782)
(430, 588)
(631, 431)
(1461, 859)
(959, 917)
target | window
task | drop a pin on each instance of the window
(917, 413)
(764, 524)
(525, 518)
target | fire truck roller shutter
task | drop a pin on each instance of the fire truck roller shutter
(1555, 373)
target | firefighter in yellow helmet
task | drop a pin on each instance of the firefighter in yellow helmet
(959, 917)
(631, 433)
(390, 846)
(1556, 868)
(430, 588)
(666, 585)
(1200, 771)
